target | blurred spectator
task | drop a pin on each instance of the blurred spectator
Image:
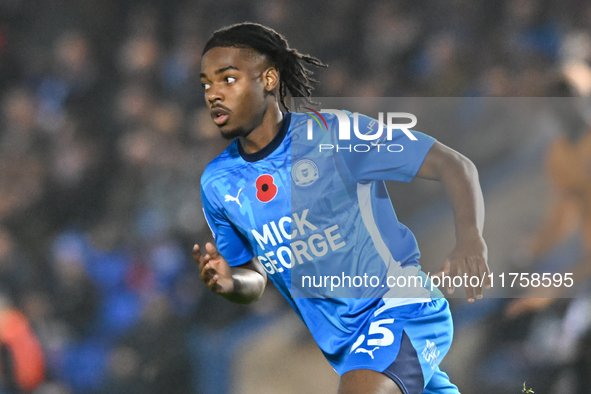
(22, 154)
(153, 354)
(16, 272)
(22, 367)
(75, 297)
(124, 372)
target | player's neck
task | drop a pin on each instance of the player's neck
(264, 133)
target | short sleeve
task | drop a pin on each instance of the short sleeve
(397, 159)
(230, 242)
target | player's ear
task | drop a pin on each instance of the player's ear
(271, 79)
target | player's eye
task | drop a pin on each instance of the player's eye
(205, 85)
(230, 79)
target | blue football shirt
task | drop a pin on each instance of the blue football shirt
(316, 215)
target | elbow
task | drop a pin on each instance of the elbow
(461, 165)
(256, 293)
(253, 293)
(469, 167)
(257, 296)
(249, 284)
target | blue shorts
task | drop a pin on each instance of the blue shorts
(406, 343)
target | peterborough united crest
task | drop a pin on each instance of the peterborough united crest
(304, 172)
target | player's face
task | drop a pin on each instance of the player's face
(234, 89)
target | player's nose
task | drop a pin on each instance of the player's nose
(213, 94)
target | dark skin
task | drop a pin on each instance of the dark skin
(243, 85)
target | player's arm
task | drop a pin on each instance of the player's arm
(242, 284)
(459, 177)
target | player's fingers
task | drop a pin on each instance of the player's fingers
(212, 250)
(213, 282)
(196, 253)
(467, 269)
(204, 273)
(475, 280)
(480, 275)
(200, 259)
(454, 271)
(209, 276)
(484, 269)
(216, 286)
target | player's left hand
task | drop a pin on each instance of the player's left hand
(468, 257)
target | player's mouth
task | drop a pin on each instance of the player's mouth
(220, 115)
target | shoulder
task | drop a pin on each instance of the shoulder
(222, 164)
(298, 120)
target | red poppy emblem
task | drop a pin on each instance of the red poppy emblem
(266, 188)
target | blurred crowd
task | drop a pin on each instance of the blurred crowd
(104, 136)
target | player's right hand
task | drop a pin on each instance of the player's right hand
(214, 270)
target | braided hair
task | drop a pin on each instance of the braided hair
(293, 76)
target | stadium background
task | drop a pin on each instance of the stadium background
(104, 136)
